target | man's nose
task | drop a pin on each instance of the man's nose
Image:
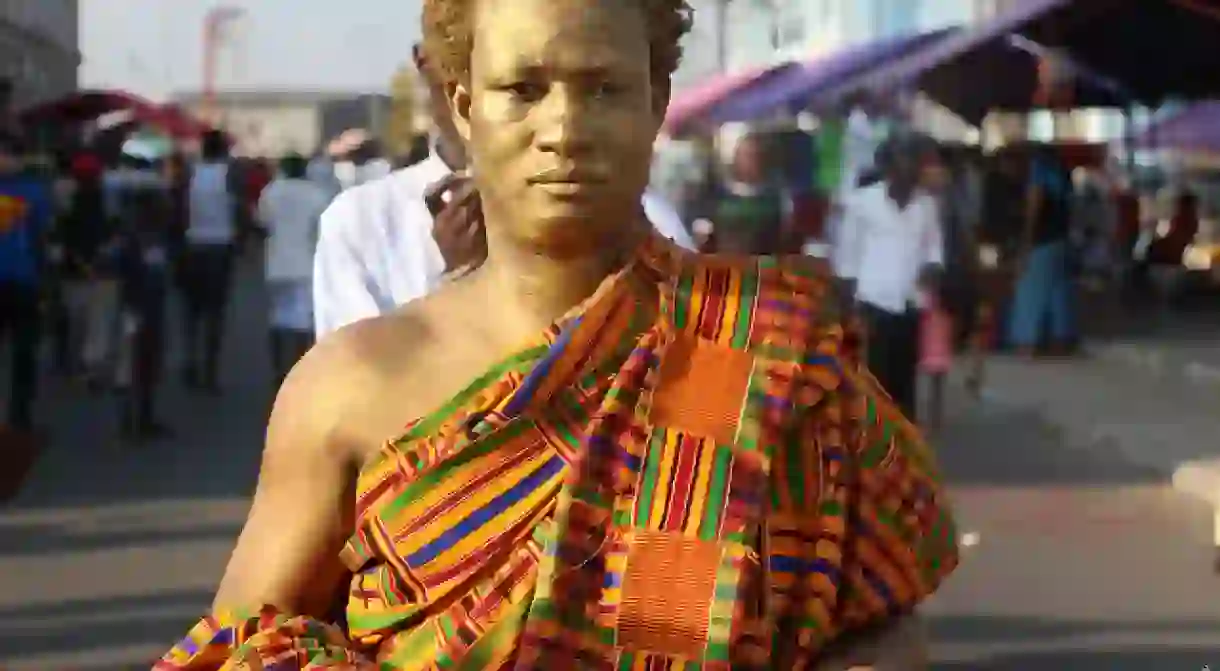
(565, 122)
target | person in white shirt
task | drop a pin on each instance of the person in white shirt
(861, 139)
(289, 209)
(892, 245)
(207, 260)
(395, 239)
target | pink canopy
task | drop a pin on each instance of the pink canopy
(687, 106)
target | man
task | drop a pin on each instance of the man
(750, 208)
(859, 142)
(892, 241)
(1043, 295)
(288, 210)
(594, 416)
(213, 198)
(127, 176)
(395, 239)
(961, 205)
(26, 211)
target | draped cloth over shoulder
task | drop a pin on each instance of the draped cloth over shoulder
(699, 480)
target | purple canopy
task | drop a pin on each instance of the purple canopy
(1001, 74)
(1156, 48)
(793, 89)
(1195, 128)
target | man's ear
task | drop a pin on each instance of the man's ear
(459, 104)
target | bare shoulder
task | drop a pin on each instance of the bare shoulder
(352, 391)
(337, 406)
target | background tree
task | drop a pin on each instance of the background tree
(402, 125)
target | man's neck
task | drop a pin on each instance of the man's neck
(901, 194)
(528, 290)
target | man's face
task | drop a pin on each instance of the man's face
(904, 168)
(559, 114)
(933, 173)
(748, 161)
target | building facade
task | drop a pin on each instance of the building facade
(275, 123)
(39, 48)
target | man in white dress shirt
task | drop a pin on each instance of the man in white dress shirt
(892, 244)
(395, 239)
(861, 139)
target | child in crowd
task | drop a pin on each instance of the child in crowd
(144, 274)
(935, 354)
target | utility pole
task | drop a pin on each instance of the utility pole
(722, 35)
(215, 23)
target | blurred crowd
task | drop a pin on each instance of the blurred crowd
(95, 248)
(941, 248)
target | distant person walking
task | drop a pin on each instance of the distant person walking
(213, 197)
(1044, 289)
(891, 256)
(289, 210)
(84, 234)
(26, 211)
(144, 280)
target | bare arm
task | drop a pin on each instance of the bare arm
(288, 552)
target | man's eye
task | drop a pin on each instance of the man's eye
(525, 91)
(606, 89)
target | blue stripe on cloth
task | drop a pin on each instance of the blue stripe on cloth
(797, 566)
(525, 392)
(488, 512)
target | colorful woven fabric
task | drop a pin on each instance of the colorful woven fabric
(704, 483)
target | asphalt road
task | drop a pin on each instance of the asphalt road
(1076, 560)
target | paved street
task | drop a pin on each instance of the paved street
(1079, 559)
(1082, 560)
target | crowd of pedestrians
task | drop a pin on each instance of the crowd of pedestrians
(919, 233)
(101, 256)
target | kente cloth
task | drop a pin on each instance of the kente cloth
(686, 472)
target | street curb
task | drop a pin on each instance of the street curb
(1201, 479)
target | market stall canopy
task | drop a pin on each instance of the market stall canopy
(1196, 128)
(792, 90)
(1158, 48)
(181, 124)
(688, 107)
(89, 106)
(1002, 74)
(1155, 48)
(83, 107)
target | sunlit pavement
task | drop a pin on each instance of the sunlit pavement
(1073, 559)
(1076, 558)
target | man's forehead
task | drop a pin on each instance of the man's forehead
(555, 16)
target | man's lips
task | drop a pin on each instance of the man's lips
(568, 178)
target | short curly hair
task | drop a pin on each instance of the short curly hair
(448, 36)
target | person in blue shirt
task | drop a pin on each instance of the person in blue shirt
(1043, 298)
(26, 211)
